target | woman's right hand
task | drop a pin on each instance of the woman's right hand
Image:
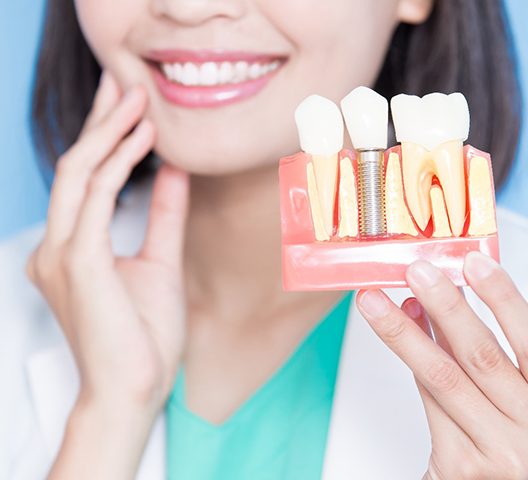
(123, 316)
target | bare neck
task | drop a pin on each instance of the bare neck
(233, 255)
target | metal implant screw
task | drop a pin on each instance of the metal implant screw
(371, 193)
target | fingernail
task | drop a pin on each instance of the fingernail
(423, 274)
(479, 266)
(374, 303)
(413, 309)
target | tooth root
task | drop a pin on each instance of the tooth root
(417, 178)
(398, 219)
(315, 205)
(448, 160)
(481, 201)
(440, 218)
(348, 205)
(325, 170)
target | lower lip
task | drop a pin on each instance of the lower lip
(209, 97)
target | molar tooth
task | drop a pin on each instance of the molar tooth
(432, 130)
(321, 129)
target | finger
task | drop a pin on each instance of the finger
(458, 396)
(495, 287)
(445, 433)
(92, 229)
(414, 310)
(106, 98)
(75, 168)
(167, 214)
(473, 344)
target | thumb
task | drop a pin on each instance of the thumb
(167, 217)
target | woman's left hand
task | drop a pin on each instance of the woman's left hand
(475, 398)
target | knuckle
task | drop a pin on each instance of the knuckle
(444, 376)
(63, 165)
(43, 267)
(392, 329)
(450, 305)
(29, 268)
(60, 163)
(487, 357)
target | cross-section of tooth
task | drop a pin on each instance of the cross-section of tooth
(321, 129)
(315, 206)
(440, 219)
(432, 130)
(481, 203)
(398, 219)
(348, 204)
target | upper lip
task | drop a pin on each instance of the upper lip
(203, 56)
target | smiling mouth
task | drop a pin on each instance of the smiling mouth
(211, 74)
(207, 78)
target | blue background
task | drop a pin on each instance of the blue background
(23, 194)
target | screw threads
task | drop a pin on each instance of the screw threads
(371, 193)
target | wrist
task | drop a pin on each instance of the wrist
(121, 400)
(107, 440)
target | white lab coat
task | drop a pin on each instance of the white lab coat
(378, 429)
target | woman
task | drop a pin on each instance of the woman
(191, 320)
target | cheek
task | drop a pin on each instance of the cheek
(106, 26)
(339, 43)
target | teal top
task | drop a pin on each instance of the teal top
(279, 432)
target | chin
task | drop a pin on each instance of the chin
(220, 155)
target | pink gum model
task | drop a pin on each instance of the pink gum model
(347, 264)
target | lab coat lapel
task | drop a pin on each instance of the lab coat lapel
(54, 384)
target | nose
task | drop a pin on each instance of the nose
(197, 12)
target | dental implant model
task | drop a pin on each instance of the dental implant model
(358, 218)
(367, 117)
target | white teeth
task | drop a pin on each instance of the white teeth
(320, 126)
(168, 70)
(226, 72)
(254, 71)
(241, 71)
(211, 73)
(432, 120)
(367, 116)
(191, 74)
(178, 72)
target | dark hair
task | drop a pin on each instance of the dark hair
(464, 46)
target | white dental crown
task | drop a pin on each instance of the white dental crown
(367, 116)
(431, 120)
(320, 125)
